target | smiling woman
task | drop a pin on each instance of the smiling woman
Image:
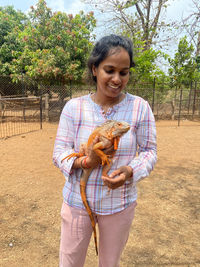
(109, 65)
(112, 76)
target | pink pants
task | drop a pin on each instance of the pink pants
(76, 231)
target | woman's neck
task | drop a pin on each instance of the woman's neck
(107, 102)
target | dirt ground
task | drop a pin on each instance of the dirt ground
(166, 229)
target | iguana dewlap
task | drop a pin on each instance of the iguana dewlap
(109, 134)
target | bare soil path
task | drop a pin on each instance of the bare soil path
(166, 229)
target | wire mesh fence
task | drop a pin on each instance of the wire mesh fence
(19, 115)
(27, 104)
(55, 98)
(166, 102)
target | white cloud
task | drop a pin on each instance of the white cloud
(75, 7)
(58, 5)
(67, 6)
(178, 9)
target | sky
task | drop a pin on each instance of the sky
(177, 8)
(68, 6)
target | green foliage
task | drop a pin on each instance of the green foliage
(11, 22)
(198, 62)
(183, 66)
(53, 46)
(146, 68)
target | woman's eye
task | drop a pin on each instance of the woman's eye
(109, 71)
(123, 73)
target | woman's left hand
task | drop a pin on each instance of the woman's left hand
(118, 177)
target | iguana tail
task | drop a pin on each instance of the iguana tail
(84, 199)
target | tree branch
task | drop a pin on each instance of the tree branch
(155, 21)
(141, 15)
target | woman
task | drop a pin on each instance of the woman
(109, 64)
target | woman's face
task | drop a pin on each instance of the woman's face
(113, 73)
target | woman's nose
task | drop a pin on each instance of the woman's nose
(116, 78)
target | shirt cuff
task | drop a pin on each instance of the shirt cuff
(66, 165)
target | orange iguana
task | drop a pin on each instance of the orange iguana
(109, 134)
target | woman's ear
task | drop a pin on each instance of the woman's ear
(94, 71)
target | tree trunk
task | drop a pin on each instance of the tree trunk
(198, 45)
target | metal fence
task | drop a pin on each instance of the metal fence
(23, 106)
(19, 115)
(166, 102)
(171, 103)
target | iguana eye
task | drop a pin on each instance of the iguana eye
(119, 124)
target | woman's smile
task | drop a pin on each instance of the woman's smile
(114, 86)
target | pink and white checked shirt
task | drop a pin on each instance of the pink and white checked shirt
(137, 148)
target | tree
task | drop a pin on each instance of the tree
(55, 46)
(140, 19)
(145, 65)
(192, 25)
(183, 66)
(11, 21)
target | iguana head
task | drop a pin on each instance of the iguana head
(111, 129)
(119, 128)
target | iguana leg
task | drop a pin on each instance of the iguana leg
(104, 158)
(78, 155)
(98, 150)
(105, 171)
(116, 142)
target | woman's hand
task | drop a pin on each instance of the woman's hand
(92, 160)
(118, 177)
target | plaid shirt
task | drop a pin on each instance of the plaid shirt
(137, 148)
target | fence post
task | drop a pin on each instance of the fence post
(194, 100)
(153, 98)
(1, 108)
(173, 109)
(24, 110)
(70, 89)
(198, 99)
(41, 112)
(47, 107)
(180, 105)
(189, 100)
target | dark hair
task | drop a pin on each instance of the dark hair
(103, 47)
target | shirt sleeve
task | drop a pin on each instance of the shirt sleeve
(64, 142)
(144, 163)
